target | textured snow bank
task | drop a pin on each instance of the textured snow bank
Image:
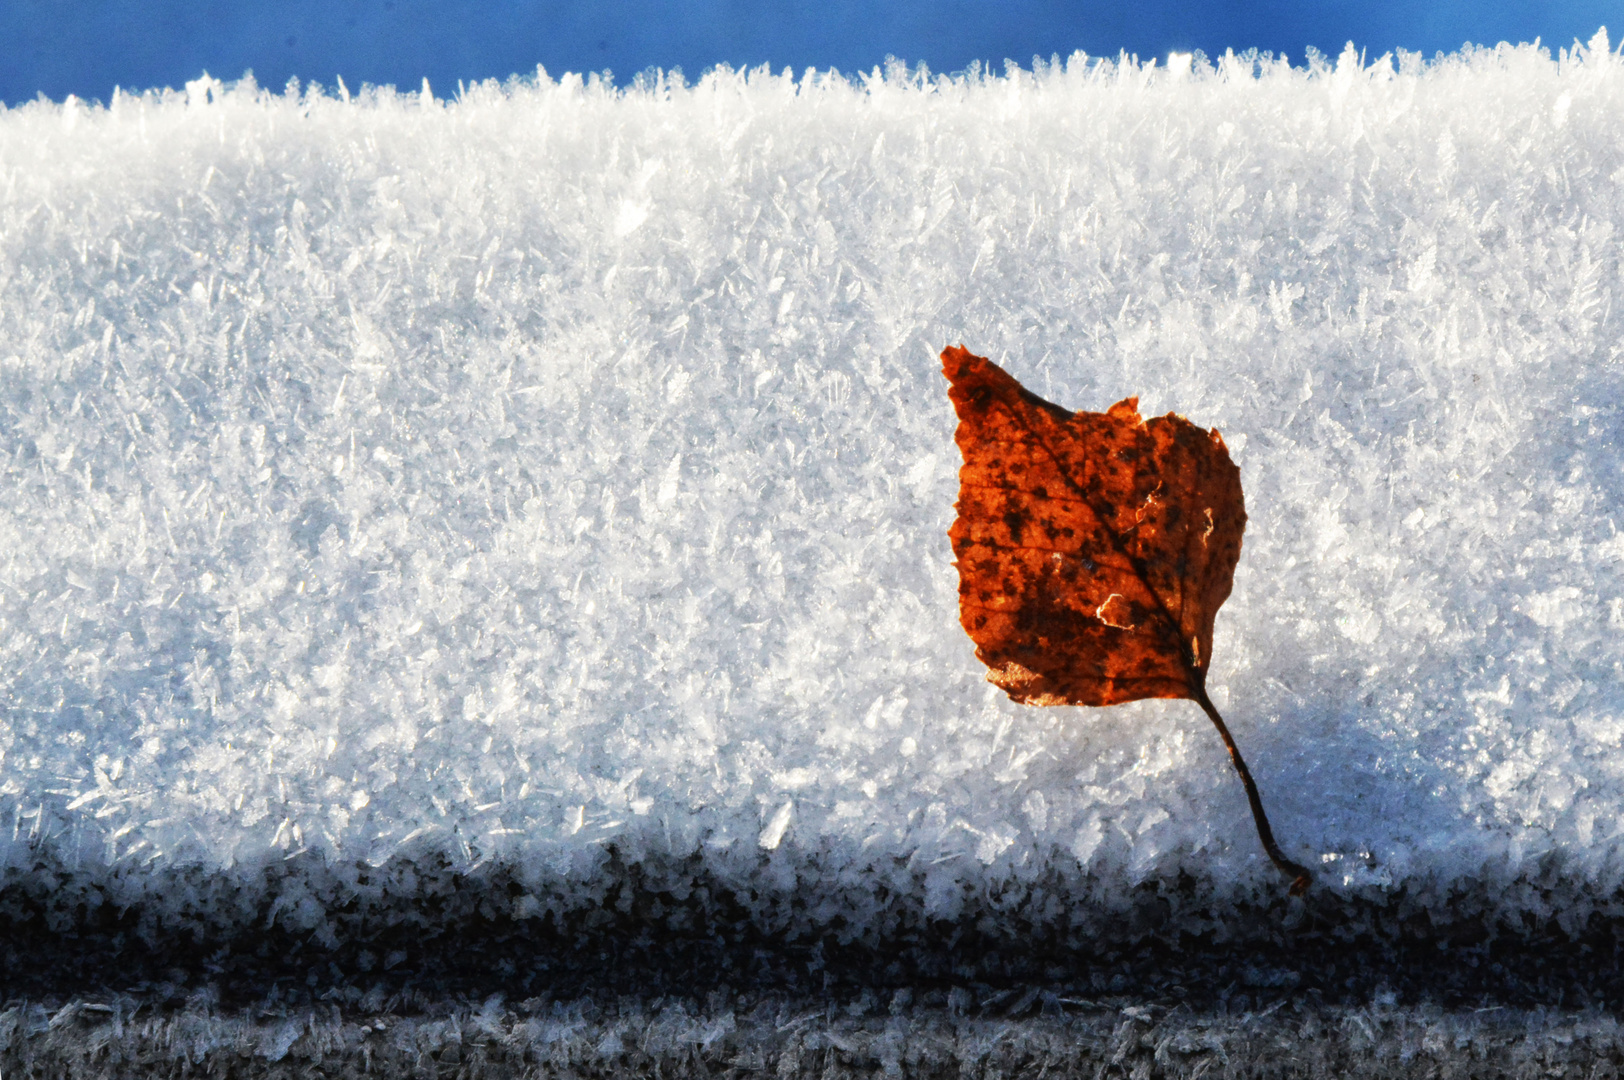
(945, 1034)
(561, 466)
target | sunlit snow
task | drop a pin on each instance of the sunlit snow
(556, 466)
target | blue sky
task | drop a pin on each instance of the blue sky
(58, 47)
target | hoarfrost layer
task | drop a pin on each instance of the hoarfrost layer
(556, 466)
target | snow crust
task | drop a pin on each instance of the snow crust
(871, 1036)
(560, 466)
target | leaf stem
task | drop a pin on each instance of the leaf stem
(1264, 833)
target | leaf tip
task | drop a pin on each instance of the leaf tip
(1126, 410)
(955, 358)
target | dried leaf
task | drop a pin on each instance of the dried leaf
(1094, 549)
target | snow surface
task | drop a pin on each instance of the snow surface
(382, 475)
(871, 1036)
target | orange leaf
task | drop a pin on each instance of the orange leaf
(1094, 549)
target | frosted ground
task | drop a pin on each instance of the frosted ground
(555, 469)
